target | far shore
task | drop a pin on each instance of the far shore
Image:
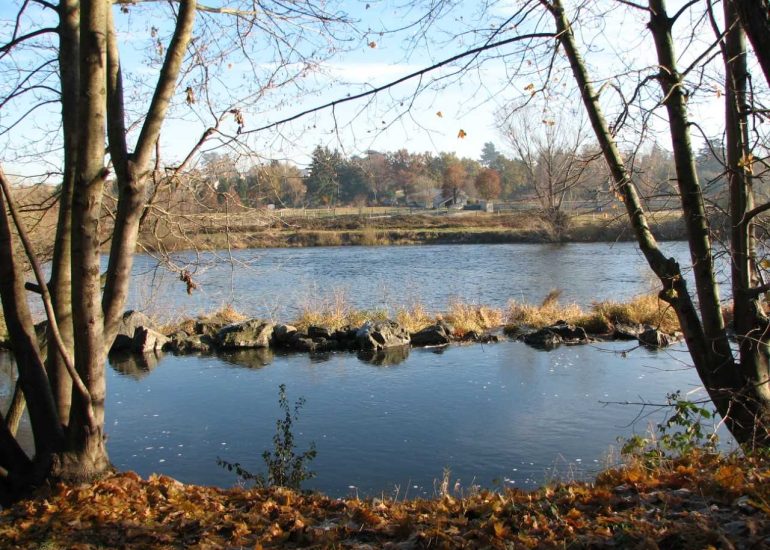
(373, 228)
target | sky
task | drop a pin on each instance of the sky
(455, 115)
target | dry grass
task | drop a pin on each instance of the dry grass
(471, 317)
(414, 317)
(547, 313)
(226, 315)
(645, 310)
(368, 236)
(335, 312)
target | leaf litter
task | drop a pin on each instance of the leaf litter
(698, 501)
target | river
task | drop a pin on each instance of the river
(495, 415)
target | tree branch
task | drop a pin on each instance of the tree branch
(401, 80)
(46, 297)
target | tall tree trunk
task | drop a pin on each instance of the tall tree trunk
(690, 192)
(750, 322)
(86, 455)
(61, 281)
(47, 431)
(707, 340)
(132, 171)
(755, 18)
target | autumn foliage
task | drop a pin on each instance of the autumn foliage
(699, 501)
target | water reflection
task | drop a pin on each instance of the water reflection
(135, 365)
(385, 358)
(249, 358)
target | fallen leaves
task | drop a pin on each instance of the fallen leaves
(691, 503)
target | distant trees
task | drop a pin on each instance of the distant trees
(488, 184)
(550, 149)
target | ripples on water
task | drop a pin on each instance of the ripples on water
(496, 415)
(276, 282)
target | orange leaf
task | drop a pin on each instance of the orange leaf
(461, 134)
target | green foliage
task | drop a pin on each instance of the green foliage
(285, 468)
(680, 434)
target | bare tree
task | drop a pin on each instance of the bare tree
(548, 145)
(737, 386)
(65, 397)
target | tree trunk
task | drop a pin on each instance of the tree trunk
(86, 455)
(61, 282)
(750, 321)
(755, 18)
(707, 340)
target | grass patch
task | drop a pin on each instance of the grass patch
(547, 313)
(415, 317)
(467, 318)
(645, 310)
(335, 312)
(226, 315)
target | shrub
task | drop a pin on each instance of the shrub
(285, 468)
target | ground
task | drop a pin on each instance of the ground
(698, 502)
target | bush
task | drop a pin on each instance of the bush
(285, 468)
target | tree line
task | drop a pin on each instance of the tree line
(544, 173)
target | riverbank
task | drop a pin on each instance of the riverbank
(260, 230)
(699, 501)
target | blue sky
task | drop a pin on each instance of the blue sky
(429, 121)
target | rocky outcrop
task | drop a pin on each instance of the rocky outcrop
(439, 334)
(147, 340)
(626, 332)
(378, 335)
(543, 339)
(181, 342)
(654, 338)
(553, 336)
(249, 334)
(131, 320)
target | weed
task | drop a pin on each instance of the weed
(682, 433)
(285, 468)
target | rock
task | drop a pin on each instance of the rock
(282, 334)
(623, 331)
(568, 332)
(131, 320)
(655, 338)
(208, 328)
(543, 339)
(301, 342)
(147, 340)
(551, 337)
(182, 343)
(345, 334)
(253, 333)
(489, 339)
(373, 336)
(435, 335)
(319, 332)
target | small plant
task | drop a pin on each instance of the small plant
(680, 434)
(285, 468)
